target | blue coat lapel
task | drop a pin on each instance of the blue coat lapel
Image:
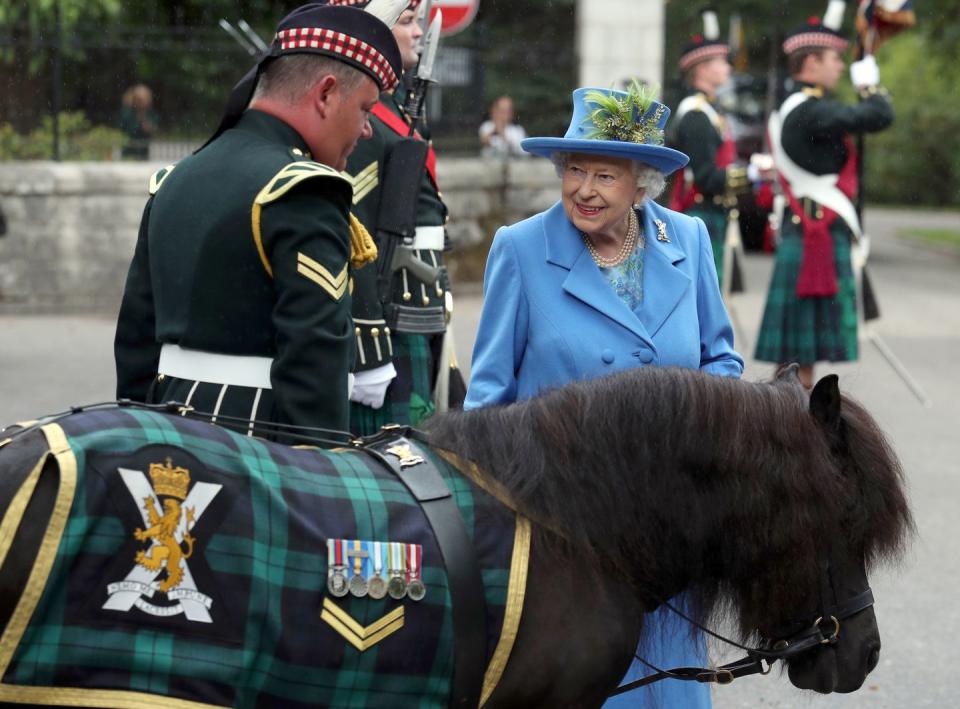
(663, 283)
(566, 249)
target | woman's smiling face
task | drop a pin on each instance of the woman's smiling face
(598, 193)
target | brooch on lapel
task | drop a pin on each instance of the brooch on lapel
(661, 231)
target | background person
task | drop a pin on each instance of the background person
(400, 333)
(138, 121)
(500, 137)
(237, 301)
(811, 308)
(606, 279)
(707, 188)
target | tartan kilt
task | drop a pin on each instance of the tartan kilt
(811, 329)
(259, 515)
(715, 219)
(409, 398)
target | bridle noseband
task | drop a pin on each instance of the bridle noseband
(791, 640)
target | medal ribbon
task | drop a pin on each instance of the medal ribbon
(411, 562)
(377, 561)
(357, 559)
(415, 551)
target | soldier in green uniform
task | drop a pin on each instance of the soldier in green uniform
(811, 309)
(399, 328)
(707, 188)
(237, 301)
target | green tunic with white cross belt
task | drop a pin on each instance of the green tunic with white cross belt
(412, 343)
(237, 300)
(708, 185)
(810, 328)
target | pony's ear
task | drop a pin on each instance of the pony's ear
(788, 373)
(825, 402)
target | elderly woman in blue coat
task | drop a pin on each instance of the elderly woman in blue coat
(606, 279)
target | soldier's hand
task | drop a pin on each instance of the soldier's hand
(760, 168)
(370, 386)
(865, 72)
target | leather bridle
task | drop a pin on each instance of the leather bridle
(784, 643)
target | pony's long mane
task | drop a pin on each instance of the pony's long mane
(607, 469)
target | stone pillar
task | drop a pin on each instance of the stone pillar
(618, 40)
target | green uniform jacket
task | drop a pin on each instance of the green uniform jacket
(700, 139)
(366, 168)
(244, 249)
(814, 133)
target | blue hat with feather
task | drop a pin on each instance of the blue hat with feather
(621, 124)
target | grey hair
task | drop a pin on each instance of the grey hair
(288, 78)
(649, 178)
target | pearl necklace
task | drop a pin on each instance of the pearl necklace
(629, 244)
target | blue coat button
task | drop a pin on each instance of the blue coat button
(645, 356)
(607, 356)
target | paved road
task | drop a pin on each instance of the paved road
(47, 363)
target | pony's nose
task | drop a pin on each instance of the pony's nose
(873, 659)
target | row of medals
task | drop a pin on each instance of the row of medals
(376, 587)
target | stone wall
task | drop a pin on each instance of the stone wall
(71, 227)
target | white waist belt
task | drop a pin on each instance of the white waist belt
(198, 366)
(428, 237)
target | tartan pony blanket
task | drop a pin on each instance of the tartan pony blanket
(179, 564)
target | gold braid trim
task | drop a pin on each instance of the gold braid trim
(289, 177)
(362, 248)
(516, 593)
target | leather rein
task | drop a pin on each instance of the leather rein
(796, 638)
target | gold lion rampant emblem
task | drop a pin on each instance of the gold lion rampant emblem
(171, 483)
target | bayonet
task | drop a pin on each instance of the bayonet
(423, 18)
(424, 74)
(241, 40)
(252, 36)
(431, 41)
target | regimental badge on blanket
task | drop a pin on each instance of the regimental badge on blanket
(375, 569)
(160, 569)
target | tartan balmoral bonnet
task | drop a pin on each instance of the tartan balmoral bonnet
(347, 34)
(704, 46)
(819, 34)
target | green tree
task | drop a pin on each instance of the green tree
(915, 160)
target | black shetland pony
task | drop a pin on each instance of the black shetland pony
(765, 503)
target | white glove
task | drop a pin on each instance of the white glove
(370, 387)
(753, 173)
(865, 72)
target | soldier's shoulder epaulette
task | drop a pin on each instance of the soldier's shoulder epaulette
(292, 175)
(157, 178)
(286, 179)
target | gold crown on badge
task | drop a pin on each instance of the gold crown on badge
(170, 481)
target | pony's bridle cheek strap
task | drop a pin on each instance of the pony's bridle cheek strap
(813, 635)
